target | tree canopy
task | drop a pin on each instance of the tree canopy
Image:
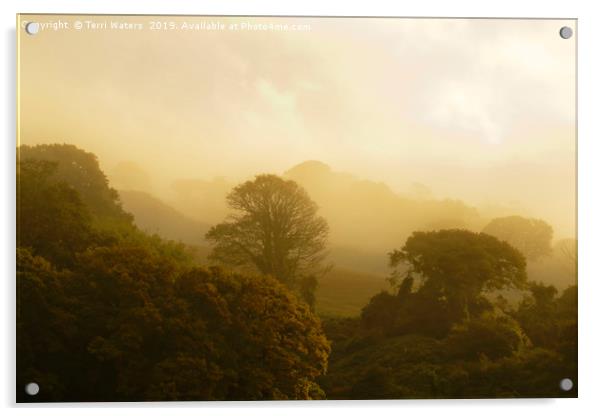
(276, 230)
(456, 266)
(81, 171)
(106, 312)
(53, 220)
(109, 313)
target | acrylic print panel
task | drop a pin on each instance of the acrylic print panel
(275, 208)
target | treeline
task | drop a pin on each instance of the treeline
(441, 333)
(106, 312)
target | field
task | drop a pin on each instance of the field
(344, 292)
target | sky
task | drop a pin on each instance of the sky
(476, 109)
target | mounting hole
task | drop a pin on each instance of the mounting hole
(566, 32)
(566, 384)
(32, 28)
(32, 389)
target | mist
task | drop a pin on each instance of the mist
(395, 198)
(415, 122)
(416, 108)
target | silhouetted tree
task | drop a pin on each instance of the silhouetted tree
(52, 219)
(457, 266)
(112, 314)
(551, 321)
(107, 312)
(80, 169)
(275, 230)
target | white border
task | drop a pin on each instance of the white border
(590, 206)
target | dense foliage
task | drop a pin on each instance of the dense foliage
(442, 277)
(443, 336)
(275, 230)
(106, 312)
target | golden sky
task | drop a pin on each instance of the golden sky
(481, 110)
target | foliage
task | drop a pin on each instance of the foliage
(457, 266)
(126, 319)
(418, 367)
(550, 321)
(417, 343)
(82, 172)
(275, 230)
(488, 336)
(109, 313)
(417, 313)
(53, 220)
(106, 312)
(44, 325)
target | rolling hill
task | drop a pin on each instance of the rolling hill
(156, 217)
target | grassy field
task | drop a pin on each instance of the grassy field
(344, 292)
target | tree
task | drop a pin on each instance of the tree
(537, 315)
(416, 313)
(489, 335)
(52, 219)
(80, 170)
(117, 315)
(126, 325)
(256, 339)
(456, 266)
(529, 235)
(549, 320)
(45, 327)
(275, 230)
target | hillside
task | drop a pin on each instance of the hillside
(154, 216)
(344, 292)
(370, 215)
